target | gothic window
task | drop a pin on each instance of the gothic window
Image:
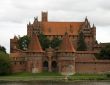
(37, 30)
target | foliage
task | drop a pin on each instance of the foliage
(4, 63)
(105, 52)
(45, 42)
(55, 42)
(108, 75)
(3, 49)
(81, 42)
(96, 42)
(24, 42)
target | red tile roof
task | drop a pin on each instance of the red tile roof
(66, 44)
(59, 28)
(34, 45)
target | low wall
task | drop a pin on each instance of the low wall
(18, 67)
(92, 67)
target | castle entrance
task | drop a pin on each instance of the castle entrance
(45, 65)
(54, 66)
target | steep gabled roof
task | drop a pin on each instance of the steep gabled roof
(66, 44)
(34, 45)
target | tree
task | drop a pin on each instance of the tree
(81, 43)
(55, 42)
(24, 42)
(4, 63)
(105, 52)
(3, 49)
(45, 42)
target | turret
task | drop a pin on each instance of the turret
(94, 32)
(87, 23)
(35, 20)
(29, 29)
(13, 44)
(44, 16)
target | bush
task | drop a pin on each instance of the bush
(108, 75)
(4, 63)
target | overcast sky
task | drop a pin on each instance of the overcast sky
(15, 15)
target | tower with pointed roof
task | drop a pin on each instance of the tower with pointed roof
(66, 56)
(34, 55)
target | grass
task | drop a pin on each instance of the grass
(26, 76)
(32, 76)
(89, 77)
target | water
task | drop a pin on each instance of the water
(56, 83)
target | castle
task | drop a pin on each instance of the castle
(66, 58)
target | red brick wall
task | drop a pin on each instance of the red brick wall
(17, 67)
(103, 67)
(92, 67)
(64, 66)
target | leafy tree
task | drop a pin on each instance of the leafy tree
(24, 42)
(4, 63)
(105, 52)
(81, 42)
(45, 42)
(3, 49)
(55, 42)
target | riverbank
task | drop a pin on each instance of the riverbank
(47, 76)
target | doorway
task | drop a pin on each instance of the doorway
(54, 66)
(45, 65)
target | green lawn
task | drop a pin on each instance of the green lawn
(25, 76)
(89, 77)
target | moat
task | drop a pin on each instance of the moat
(57, 83)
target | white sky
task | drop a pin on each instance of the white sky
(15, 15)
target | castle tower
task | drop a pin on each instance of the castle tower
(34, 55)
(66, 56)
(94, 34)
(13, 44)
(44, 16)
